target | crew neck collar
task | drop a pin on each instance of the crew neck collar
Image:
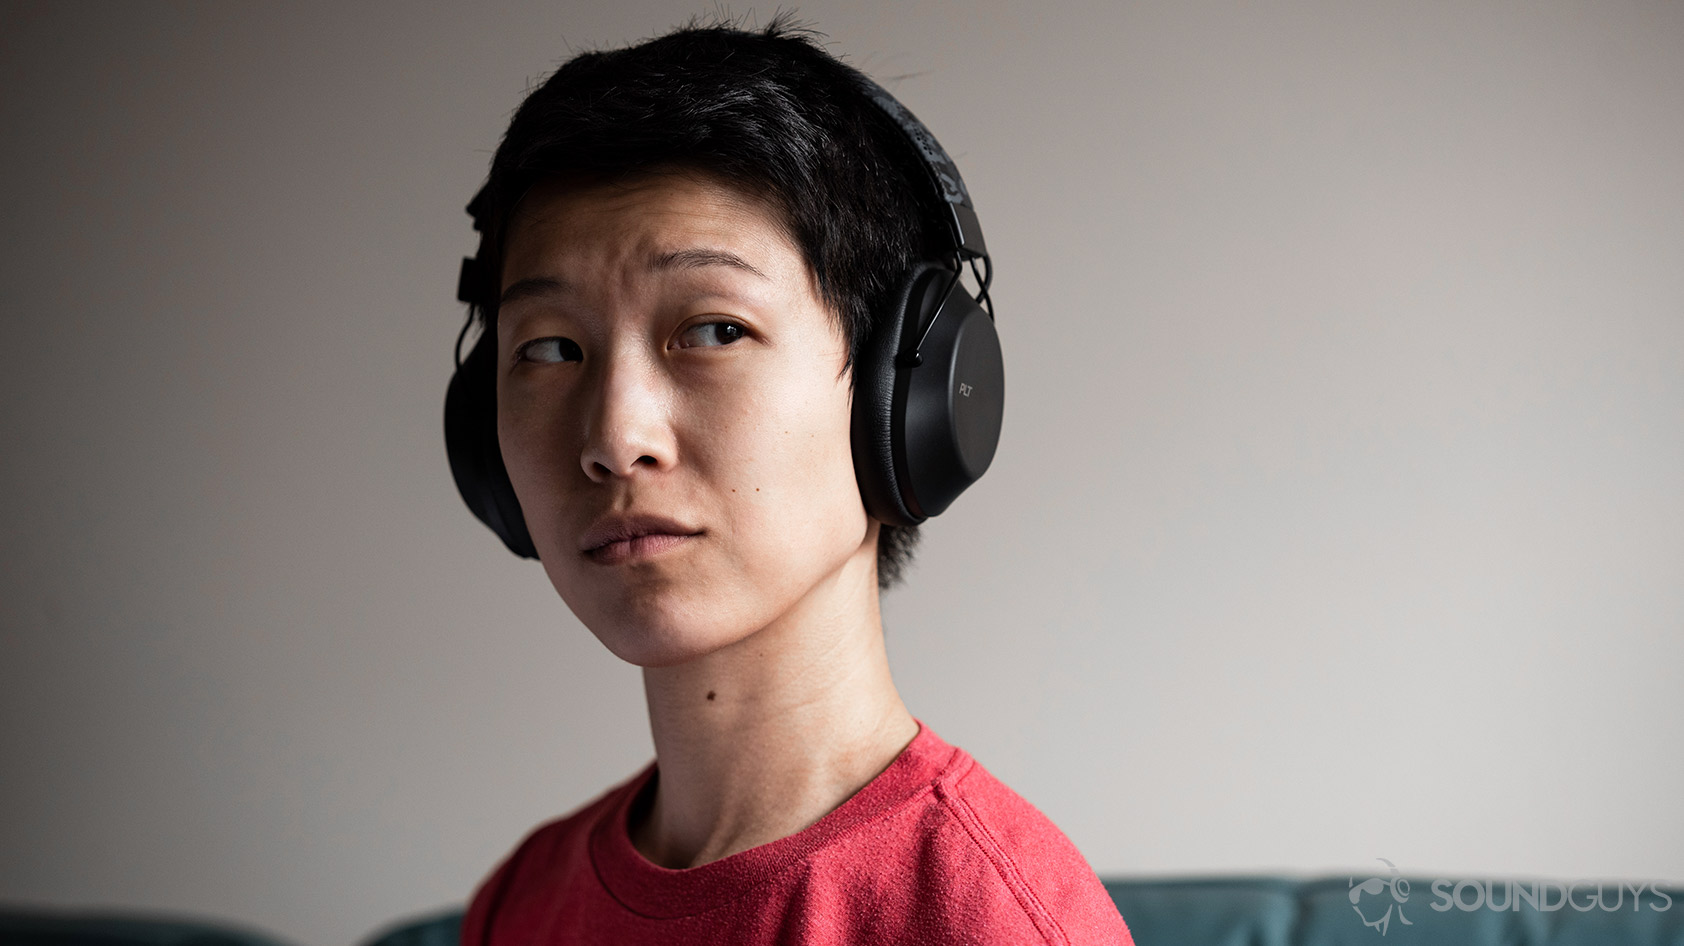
(651, 890)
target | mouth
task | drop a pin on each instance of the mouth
(637, 547)
(619, 538)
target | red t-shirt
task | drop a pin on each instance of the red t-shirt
(933, 850)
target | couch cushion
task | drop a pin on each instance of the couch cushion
(55, 928)
(443, 929)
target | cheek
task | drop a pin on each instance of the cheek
(786, 453)
(535, 452)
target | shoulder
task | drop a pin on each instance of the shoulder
(541, 863)
(1033, 862)
(964, 859)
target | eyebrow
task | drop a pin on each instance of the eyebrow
(532, 287)
(702, 256)
(693, 258)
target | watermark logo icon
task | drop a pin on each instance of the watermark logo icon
(1396, 885)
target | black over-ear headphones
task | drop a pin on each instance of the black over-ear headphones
(929, 384)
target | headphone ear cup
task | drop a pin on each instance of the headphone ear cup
(949, 406)
(880, 471)
(476, 460)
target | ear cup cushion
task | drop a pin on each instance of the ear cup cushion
(875, 375)
(476, 460)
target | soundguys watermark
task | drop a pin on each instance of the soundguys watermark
(1547, 896)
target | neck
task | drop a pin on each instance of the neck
(762, 738)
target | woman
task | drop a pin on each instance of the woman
(699, 259)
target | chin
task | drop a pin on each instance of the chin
(651, 645)
(658, 628)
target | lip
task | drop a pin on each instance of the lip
(620, 536)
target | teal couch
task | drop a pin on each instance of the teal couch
(1234, 911)
(1270, 911)
(1252, 911)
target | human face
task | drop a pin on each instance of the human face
(663, 352)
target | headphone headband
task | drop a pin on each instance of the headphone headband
(942, 173)
(476, 283)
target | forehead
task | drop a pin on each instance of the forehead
(643, 222)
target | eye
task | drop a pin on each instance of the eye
(549, 351)
(710, 334)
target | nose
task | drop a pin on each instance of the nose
(628, 427)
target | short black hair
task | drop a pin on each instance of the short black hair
(767, 110)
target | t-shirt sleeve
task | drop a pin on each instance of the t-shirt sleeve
(532, 865)
(476, 923)
(524, 891)
(1046, 873)
(522, 888)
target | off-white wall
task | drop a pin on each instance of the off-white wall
(1337, 513)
